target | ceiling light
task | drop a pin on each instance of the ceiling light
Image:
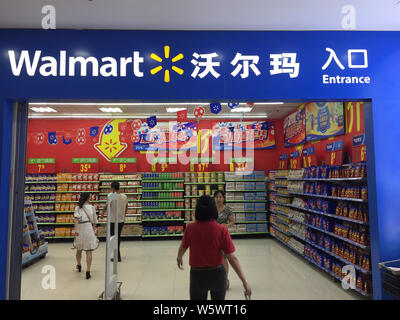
(242, 109)
(119, 103)
(42, 109)
(175, 109)
(110, 110)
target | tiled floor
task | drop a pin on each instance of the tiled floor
(148, 271)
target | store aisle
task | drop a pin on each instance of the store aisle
(149, 271)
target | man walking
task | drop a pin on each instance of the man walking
(121, 211)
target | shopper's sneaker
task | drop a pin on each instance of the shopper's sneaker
(88, 276)
(79, 268)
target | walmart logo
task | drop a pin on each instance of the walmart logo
(155, 70)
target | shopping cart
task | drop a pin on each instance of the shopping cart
(112, 286)
(391, 277)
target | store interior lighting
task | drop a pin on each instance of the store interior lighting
(111, 110)
(43, 109)
(242, 109)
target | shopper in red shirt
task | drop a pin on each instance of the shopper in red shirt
(207, 240)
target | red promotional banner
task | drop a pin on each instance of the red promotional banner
(355, 117)
(294, 127)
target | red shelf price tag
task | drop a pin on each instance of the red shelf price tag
(309, 158)
(41, 165)
(334, 155)
(124, 165)
(85, 165)
(295, 161)
(283, 162)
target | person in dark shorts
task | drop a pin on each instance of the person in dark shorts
(206, 240)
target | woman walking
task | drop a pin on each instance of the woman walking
(225, 217)
(85, 239)
(206, 240)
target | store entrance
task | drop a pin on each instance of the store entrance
(292, 173)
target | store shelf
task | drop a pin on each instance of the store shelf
(45, 212)
(252, 221)
(159, 200)
(337, 257)
(253, 211)
(280, 221)
(164, 209)
(55, 223)
(161, 235)
(334, 276)
(327, 197)
(204, 183)
(52, 201)
(44, 192)
(328, 215)
(192, 196)
(159, 190)
(361, 179)
(162, 220)
(279, 212)
(116, 179)
(285, 244)
(29, 214)
(278, 228)
(164, 180)
(63, 182)
(245, 201)
(121, 187)
(246, 180)
(236, 190)
(283, 195)
(66, 237)
(247, 233)
(128, 193)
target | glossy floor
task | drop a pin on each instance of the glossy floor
(148, 271)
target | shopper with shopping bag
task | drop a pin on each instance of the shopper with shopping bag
(85, 238)
(206, 240)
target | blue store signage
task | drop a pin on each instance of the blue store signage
(151, 66)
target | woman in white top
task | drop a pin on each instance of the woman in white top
(85, 239)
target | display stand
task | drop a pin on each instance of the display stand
(33, 245)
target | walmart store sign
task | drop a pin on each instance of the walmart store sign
(204, 65)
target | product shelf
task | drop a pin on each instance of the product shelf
(164, 180)
(283, 195)
(245, 201)
(247, 233)
(41, 192)
(164, 209)
(328, 215)
(162, 220)
(204, 183)
(361, 179)
(55, 223)
(279, 212)
(328, 197)
(161, 190)
(253, 221)
(159, 200)
(111, 180)
(279, 229)
(121, 187)
(255, 211)
(28, 257)
(246, 180)
(63, 182)
(236, 190)
(161, 235)
(280, 221)
(45, 212)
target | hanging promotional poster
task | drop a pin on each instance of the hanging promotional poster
(294, 127)
(243, 135)
(171, 136)
(324, 120)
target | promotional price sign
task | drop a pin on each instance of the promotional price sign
(164, 164)
(295, 162)
(124, 165)
(334, 153)
(309, 157)
(283, 162)
(201, 164)
(85, 165)
(242, 164)
(359, 151)
(41, 165)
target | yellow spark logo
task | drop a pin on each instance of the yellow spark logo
(166, 72)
